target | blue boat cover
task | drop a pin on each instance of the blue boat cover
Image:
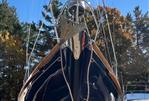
(48, 83)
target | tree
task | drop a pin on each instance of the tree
(135, 60)
(135, 68)
(11, 66)
(47, 38)
(9, 21)
(45, 30)
(120, 28)
(141, 26)
(12, 55)
(136, 64)
(145, 30)
(48, 27)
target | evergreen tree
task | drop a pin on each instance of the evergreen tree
(12, 56)
(141, 25)
(138, 25)
(121, 30)
(135, 59)
(45, 29)
(48, 26)
(9, 21)
(145, 31)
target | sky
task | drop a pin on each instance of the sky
(30, 10)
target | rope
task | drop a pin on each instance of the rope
(86, 26)
(88, 86)
(27, 71)
(88, 71)
(96, 22)
(66, 81)
(55, 29)
(38, 34)
(27, 66)
(116, 64)
(107, 51)
(34, 45)
(106, 45)
(27, 44)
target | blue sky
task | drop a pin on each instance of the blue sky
(30, 10)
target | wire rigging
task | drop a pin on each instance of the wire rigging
(96, 22)
(113, 48)
(100, 17)
(27, 66)
(106, 46)
(27, 71)
(54, 20)
(88, 74)
(55, 29)
(28, 56)
(95, 38)
(66, 81)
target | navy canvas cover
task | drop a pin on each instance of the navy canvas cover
(48, 84)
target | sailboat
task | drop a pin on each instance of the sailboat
(75, 69)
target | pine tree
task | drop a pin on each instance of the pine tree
(11, 66)
(135, 59)
(48, 26)
(12, 58)
(45, 29)
(9, 21)
(141, 26)
(121, 30)
(145, 31)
